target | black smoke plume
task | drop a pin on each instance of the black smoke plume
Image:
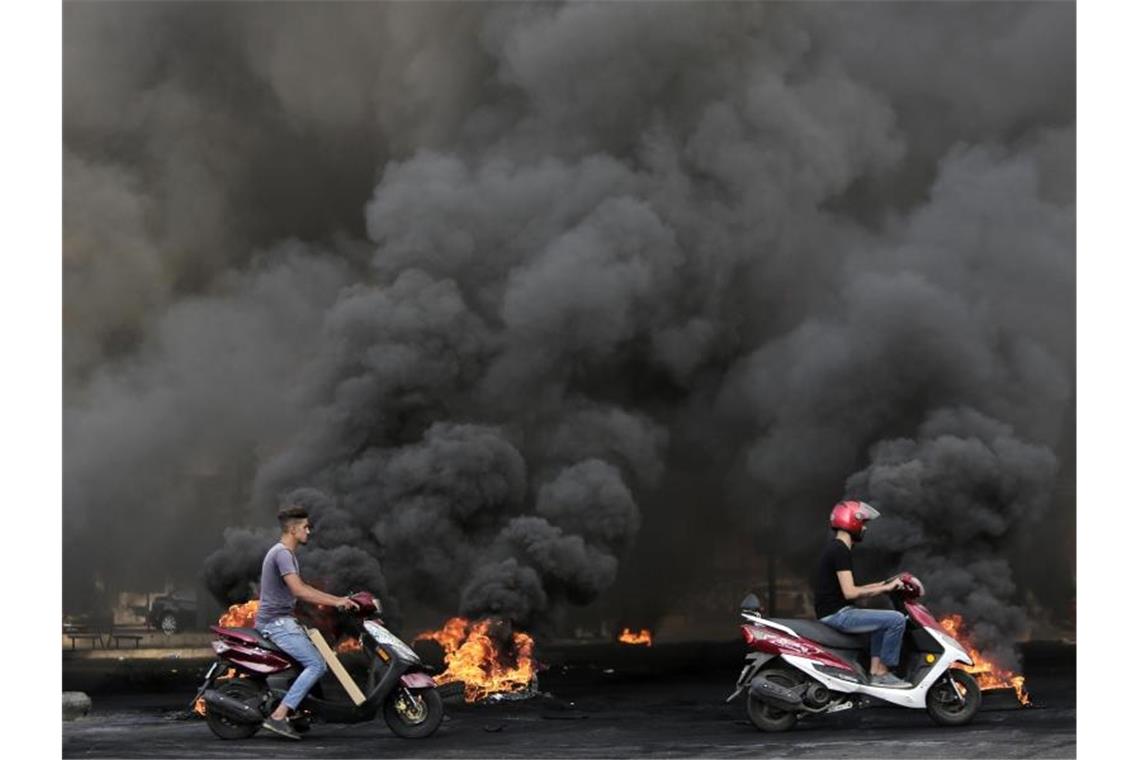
(954, 497)
(545, 300)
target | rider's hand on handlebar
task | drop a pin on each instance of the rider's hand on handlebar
(347, 604)
(894, 583)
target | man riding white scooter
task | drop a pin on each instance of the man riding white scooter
(796, 668)
(834, 589)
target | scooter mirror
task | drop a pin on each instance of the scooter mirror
(750, 604)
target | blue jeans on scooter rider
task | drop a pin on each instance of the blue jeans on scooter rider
(281, 587)
(835, 589)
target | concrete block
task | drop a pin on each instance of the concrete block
(76, 704)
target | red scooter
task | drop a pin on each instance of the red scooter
(805, 667)
(399, 687)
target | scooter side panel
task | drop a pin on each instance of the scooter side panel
(914, 697)
(900, 697)
(772, 642)
(251, 658)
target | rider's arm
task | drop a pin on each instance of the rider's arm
(851, 592)
(307, 593)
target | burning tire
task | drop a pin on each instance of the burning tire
(413, 714)
(241, 689)
(451, 692)
(948, 708)
(766, 717)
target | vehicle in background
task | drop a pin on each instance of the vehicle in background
(174, 612)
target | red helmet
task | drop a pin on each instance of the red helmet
(852, 516)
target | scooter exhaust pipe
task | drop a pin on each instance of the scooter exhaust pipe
(234, 709)
(776, 695)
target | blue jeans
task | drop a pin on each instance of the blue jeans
(287, 634)
(885, 626)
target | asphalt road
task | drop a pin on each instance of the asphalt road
(592, 713)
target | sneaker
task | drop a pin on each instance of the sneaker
(281, 728)
(890, 680)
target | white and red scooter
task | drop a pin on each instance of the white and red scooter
(804, 667)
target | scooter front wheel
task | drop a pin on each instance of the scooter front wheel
(413, 713)
(954, 699)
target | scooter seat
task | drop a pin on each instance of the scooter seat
(822, 633)
(254, 636)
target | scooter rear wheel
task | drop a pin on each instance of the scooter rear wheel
(945, 707)
(239, 688)
(763, 715)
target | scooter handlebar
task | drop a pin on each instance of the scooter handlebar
(367, 602)
(911, 587)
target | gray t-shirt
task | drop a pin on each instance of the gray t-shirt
(276, 598)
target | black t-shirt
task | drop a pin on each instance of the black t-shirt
(828, 593)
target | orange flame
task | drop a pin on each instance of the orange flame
(349, 645)
(482, 661)
(988, 675)
(243, 616)
(642, 637)
(239, 615)
(200, 702)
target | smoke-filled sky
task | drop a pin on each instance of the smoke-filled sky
(532, 302)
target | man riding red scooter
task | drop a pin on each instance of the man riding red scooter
(835, 590)
(281, 587)
(842, 660)
(278, 665)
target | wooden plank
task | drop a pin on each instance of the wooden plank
(335, 666)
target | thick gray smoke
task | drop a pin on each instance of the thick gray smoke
(338, 556)
(540, 299)
(953, 498)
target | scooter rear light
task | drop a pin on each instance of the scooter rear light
(752, 634)
(757, 638)
(220, 647)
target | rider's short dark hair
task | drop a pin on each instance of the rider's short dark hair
(290, 514)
